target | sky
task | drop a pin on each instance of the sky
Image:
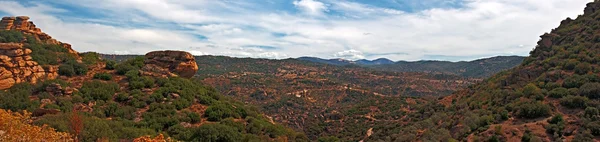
(453, 30)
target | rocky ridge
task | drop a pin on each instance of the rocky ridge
(22, 23)
(169, 63)
(17, 66)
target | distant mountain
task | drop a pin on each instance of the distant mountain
(343, 62)
(380, 61)
(478, 68)
(337, 62)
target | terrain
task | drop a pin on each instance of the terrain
(552, 95)
(480, 68)
(51, 92)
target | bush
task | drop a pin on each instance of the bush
(216, 133)
(220, 111)
(11, 36)
(97, 90)
(575, 81)
(574, 101)
(531, 90)
(72, 68)
(590, 90)
(583, 68)
(17, 97)
(66, 70)
(556, 125)
(532, 110)
(103, 76)
(90, 58)
(559, 92)
(110, 65)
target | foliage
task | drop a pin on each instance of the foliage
(103, 76)
(533, 109)
(97, 90)
(590, 90)
(17, 98)
(7, 36)
(17, 127)
(574, 101)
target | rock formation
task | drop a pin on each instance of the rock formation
(22, 23)
(169, 63)
(17, 66)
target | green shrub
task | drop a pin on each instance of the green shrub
(575, 81)
(532, 110)
(66, 70)
(216, 133)
(103, 76)
(7, 36)
(17, 97)
(559, 92)
(110, 65)
(98, 90)
(583, 68)
(90, 58)
(574, 101)
(590, 90)
(219, 111)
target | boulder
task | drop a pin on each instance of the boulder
(16, 66)
(169, 63)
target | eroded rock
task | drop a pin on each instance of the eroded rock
(16, 66)
(169, 63)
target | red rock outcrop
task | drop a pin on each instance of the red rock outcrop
(17, 66)
(22, 23)
(169, 63)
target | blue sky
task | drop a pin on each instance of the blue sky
(351, 29)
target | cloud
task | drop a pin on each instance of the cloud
(454, 29)
(350, 55)
(311, 7)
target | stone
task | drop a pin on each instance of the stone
(17, 66)
(55, 89)
(169, 63)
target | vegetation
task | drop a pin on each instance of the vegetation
(16, 127)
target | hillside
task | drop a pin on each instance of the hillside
(98, 100)
(322, 99)
(480, 68)
(551, 96)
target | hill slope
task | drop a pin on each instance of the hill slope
(551, 96)
(98, 100)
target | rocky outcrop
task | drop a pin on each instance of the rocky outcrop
(17, 66)
(22, 23)
(169, 63)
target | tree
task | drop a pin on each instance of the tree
(583, 68)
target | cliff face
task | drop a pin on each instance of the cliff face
(17, 66)
(169, 63)
(22, 23)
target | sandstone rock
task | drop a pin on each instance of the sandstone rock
(55, 89)
(22, 23)
(169, 63)
(17, 66)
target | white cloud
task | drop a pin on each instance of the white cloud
(350, 55)
(311, 7)
(479, 28)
